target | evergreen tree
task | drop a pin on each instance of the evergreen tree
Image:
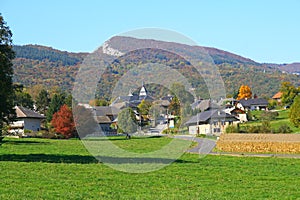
(174, 107)
(42, 101)
(127, 121)
(24, 99)
(56, 102)
(7, 111)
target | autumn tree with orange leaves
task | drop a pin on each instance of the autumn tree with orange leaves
(244, 92)
(63, 122)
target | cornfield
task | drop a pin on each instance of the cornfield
(260, 143)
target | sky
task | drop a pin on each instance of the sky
(262, 30)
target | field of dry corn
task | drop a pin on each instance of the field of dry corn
(259, 143)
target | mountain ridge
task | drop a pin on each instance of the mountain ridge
(37, 64)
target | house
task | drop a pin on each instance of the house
(237, 113)
(132, 100)
(253, 104)
(277, 97)
(105, 116)
(26, 120)
(210, 122)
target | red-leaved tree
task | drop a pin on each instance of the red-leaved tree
(63, 122)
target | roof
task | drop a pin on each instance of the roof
(254, 102)
(103, 119)
(278, 95)
(106, 110)
(143, 91)
(205, 116)
(168, 97)
(27, 113)
(206, 105)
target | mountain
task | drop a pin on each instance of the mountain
(35, 64)
(292, 68)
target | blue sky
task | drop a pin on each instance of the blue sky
(262, 30)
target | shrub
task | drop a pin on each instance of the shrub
(27, 131)
(284, 129)
(253, 129)
(170, 131)
(232, 129)
(43, 134)
(272, 104)
(265, 127)
(267, 115)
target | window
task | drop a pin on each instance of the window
(217, 130)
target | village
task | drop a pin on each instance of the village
(207, 117)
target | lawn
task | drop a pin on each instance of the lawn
(283, 118)
(63, 169)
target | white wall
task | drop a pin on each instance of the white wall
(32, 124)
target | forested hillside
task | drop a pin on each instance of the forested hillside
(36, 64)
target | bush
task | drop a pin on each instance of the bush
(170, 131)
(232, 129)
(249, 115)
(201, 135)
(284, 129)
(253, 129)
(265, 127)
(27, 131)
(267, 115)
(272, 104)
(43, 134)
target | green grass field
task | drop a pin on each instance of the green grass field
(63, 169)
(282, 119)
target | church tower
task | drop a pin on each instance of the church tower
(143, 91)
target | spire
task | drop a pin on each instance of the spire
(143, 91)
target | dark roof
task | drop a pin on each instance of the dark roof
(106, 110)
(205, 116)
(206, 105)
(27, 113)
(168, 97)
(254, 102)
(195, 104)
(103, 120)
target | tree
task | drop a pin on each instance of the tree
(289, 92)
(174, 107)
(244, 92)
(294, 114)
(98, 102)
(144, 107)
(127, 121)
(63, 122)
(179, 90)
(7, 112)
(42, 101)
(35, 90)
(84, 121)
(69, 100)
(23, 98)
(56, 102)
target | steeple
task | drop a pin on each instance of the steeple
(143, 91)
